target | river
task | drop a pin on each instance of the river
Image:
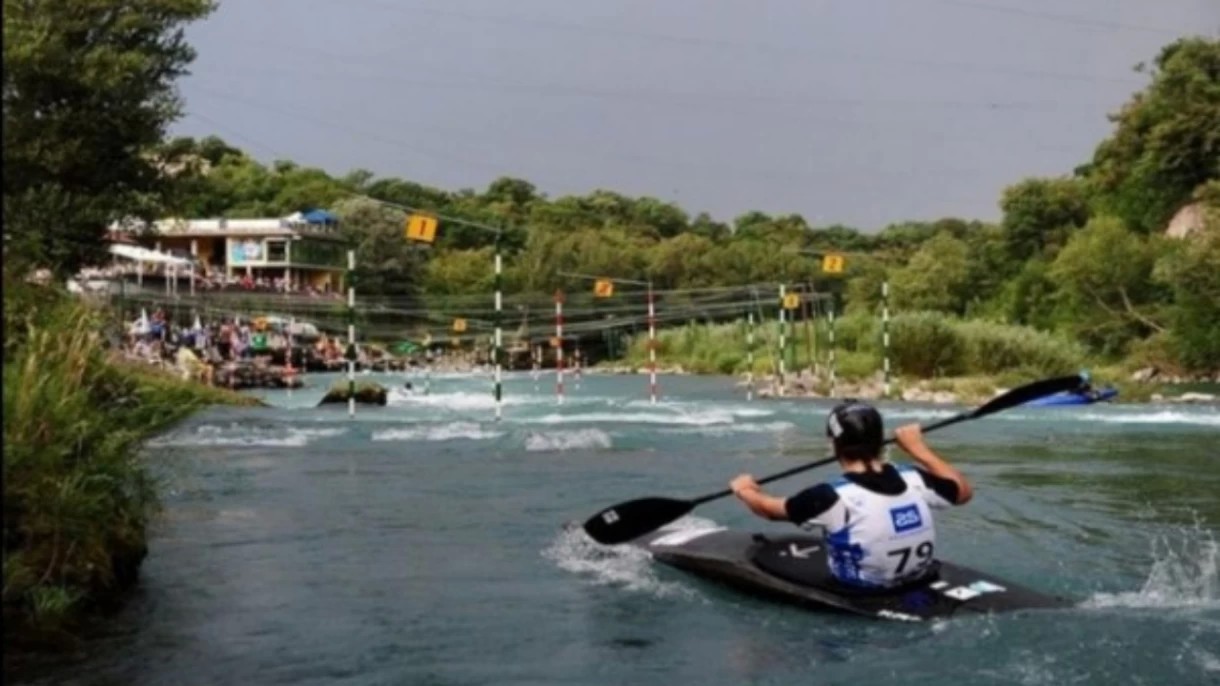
(423, 543)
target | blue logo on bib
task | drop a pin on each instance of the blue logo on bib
(906, 518)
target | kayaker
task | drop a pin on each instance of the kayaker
(877, 517)
(1086, 386)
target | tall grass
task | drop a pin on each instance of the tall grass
(77, 496)
(923, 345)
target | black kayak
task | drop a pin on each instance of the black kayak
(793, 569)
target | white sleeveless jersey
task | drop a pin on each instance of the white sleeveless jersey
(877, 540)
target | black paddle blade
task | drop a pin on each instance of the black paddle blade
(634, 518)
(1023, 394)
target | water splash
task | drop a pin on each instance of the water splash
(1200, 417)
(459, 400)
(443, 432)
(559, 441)
(1185, 574)
(703, 418)
(623, 566)
(236, 434)
(722, 430)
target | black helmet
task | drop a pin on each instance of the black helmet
(856, 429)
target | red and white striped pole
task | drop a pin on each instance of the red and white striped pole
(559, 347)
(652, 348)
(577, 364)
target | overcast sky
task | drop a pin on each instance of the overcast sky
(861, 112)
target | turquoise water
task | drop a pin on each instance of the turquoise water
(423, 543)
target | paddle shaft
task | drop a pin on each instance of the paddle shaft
(825, 461)
(634, 518)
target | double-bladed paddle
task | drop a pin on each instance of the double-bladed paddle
(634, 518)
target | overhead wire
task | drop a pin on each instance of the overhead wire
(719, 44)
(1074, 20)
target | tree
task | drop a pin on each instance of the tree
(386, 264)
(839, 237)
(681, 262)
(935, 278)
(88, 93)
(1103, 273)
(1029, 298)
(1040, 214)
(459, 272)
(1191, 270)
(988, 265)
(1166, 141)
(704, 225)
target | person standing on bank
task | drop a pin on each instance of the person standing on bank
(877, 517)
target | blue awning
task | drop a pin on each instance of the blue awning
(319, 217)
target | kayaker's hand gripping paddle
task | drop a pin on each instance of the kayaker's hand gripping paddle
(634, 518)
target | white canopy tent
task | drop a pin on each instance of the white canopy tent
(139, 254)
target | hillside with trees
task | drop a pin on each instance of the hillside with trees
(1082, 255)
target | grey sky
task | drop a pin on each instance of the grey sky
(862, 112)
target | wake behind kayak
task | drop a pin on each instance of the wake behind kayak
(793, 569)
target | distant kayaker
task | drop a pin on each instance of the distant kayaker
(1085, 389)
(877, 517)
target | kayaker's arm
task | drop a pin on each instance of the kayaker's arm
(760, 503)
(910, 439)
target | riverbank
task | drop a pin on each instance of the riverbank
(944, 390)
(78, 496)
(933, 358)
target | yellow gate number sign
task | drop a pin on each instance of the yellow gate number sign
(422, 228)
(832, 264)
(792, 301)
(459, 325)
(604, 288)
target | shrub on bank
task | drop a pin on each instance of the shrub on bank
(77, 496)
(991, 348)
(923, 345)
(926, 344)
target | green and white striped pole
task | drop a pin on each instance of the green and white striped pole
(783, 342)
(885, 335)
(351, 334)
(831, 320)
(750, 356)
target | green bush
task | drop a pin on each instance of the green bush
(926, 344)
(992, 348)
(77, 498)
(856, 365)
(922, 344)
(858, 332)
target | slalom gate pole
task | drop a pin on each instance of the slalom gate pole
(499, 338)
(428, 366)
(351, 334)
(652, 347)
(559, 347)
(831, 320)
(783, 342)
(809, 332)
(885, 336)
(289, 371)
(578, 364)
(536, 356)
(750, 356)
